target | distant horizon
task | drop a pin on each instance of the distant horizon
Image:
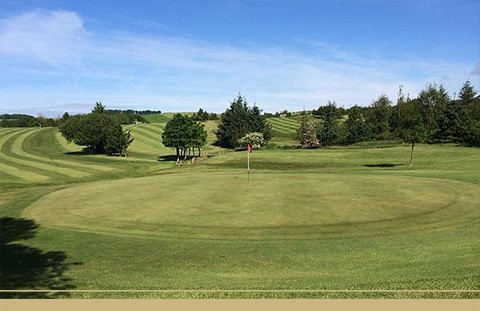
(64, 55)
(126, 107)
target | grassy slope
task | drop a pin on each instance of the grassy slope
(284, 131)
(442, 255)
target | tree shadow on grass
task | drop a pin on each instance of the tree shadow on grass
(168, 158)
(383, 165)
(84, 151)
(28, 268)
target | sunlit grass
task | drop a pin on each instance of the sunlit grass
(333, 218)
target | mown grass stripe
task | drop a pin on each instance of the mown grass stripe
(286, 126)
(5, 131)
(283, 131)
(155, 138)
(284, 121)
(27, 166)
(19, 145)
(281, 128)
(7, 136)
(21, 174)
(14, 169)
(144, 145)
(65, 145)
(146, 140)
(12, 157)
(152, 131)
(47, 137)
(157, 128)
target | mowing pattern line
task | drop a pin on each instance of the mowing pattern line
(284, 125)
(148, 139)
(20, 159)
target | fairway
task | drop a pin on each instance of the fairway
(268, 206)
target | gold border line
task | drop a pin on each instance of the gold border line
(247, 291)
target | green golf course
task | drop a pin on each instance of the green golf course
(337, 222)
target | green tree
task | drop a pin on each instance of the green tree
(117, 141)
(174, 134)
(454, 123)
(238, 120)
(413, 129)
(356, 128)
(197, 137)
(471, 102)
(183, 133)
(307, 132)
(201, 115)
(377, 117)
(99, 108)
(433, 101)
(65, 117)
(467, 93)
(328, 132)
(97, 131)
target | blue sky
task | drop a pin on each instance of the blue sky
(58, 56)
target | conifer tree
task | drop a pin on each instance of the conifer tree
(239, 120)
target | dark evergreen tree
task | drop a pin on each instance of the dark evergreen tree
(328, 131)
(467, 93)
(99, 108)
(238, 120)
(471, 102)
(453, 124)
(356, 128)
(117, 141)
(378, 116)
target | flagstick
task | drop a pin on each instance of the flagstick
(248, 165)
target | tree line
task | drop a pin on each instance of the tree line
(432, 116)
(23, 120)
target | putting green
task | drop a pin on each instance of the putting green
(269, 206)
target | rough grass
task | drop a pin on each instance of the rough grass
(328, 219)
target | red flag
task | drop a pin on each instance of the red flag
(249, 148)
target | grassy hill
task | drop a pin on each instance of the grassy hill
(326, 219)
(284, 131)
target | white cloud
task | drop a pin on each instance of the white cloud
(49, 36)
(167, 73)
